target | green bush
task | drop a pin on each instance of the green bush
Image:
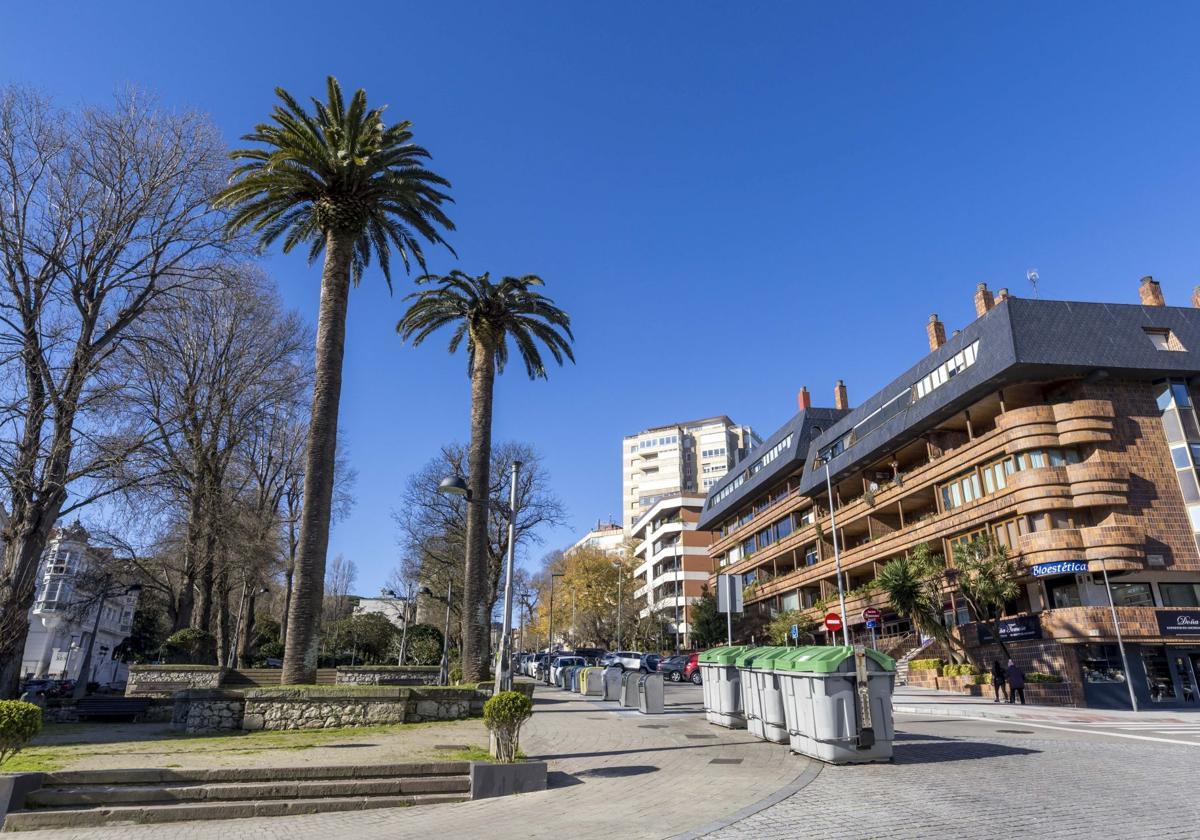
(966, 669)
(190, 646)
(924, 664)
(19, 722)
(504, 714)
(1039, 677)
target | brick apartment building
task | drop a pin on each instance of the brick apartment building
(673, 561)
(1066, 430)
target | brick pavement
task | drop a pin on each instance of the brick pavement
(991, 784)
(615, 774)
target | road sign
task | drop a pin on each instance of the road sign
(729, 594)
(795, 632)
(833, 622)
(871, 624)
(871, 614)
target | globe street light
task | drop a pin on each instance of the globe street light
(456, 485)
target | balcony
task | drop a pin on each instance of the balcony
(1122, 547)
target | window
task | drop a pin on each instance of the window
(790, 601)
(1158, 674)
(946, 371)
(963, 539)
(810, 556)
(771, 454)
(1180, 594)
(783, 527)
(748, 547)
(834, 449)
(1163, 339)
(961, 490)
(1063, 592)
(1101, 664)
(1008, 533)
(1132, 595)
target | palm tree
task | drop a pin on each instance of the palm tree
(341, 182)
(487, 315)
(913, 585)
(987, 580)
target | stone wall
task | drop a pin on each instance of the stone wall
(389, 675)
(199, 711)
(59, 710)
(165, 680)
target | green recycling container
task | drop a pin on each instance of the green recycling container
(722, 685)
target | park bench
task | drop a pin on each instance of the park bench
(111, 708)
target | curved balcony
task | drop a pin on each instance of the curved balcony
(1087, 484)
(1060, 424)
(1121, 546)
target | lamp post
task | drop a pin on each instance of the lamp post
(837, 556)
(444, 670)
(1120, 643)
(619, 569)
(678, 549)
(455, 485)
(106, 582)
(550, 637)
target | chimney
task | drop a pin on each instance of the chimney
(1002, 295)
(1150, 292)
(803, 399)
(983, 300)
(1196, 297)
(840, 398)
(937, 332)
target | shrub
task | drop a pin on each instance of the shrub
(924, 664)
(504, 715)
(966, 669)
(190, 646)
(19, 722)
(1039, 677)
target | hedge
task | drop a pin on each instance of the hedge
(1039, 677)
(924, 664)
(964, 670)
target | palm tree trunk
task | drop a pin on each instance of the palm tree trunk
(300, 653)
(476, 621)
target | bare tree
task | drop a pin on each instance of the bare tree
(103, 213)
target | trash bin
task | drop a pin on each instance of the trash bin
(838, 703)
(722, 686)
(762, 698)
(612, 683)
(650, 694)
(593, 683)
(573, 677)
(629, 689)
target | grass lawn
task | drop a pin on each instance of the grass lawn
(95, 746)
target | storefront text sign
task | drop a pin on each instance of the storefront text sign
(1063, 567)
(1013, 629)
(1176, 623)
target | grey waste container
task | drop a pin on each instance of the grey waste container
(762, 697)
(612, 683)
(722, 686)
(629, 689)
(593, 682)
(650, 694)
(838, 703)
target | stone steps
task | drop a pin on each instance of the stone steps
(83, 798)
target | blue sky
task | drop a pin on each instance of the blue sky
(732, 200)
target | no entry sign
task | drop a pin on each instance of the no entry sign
(833, 622)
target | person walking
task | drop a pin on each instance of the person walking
(999, 681)
(1016, 682)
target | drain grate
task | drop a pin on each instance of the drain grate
(597, 717)
(652, 726)
(726, 761)
(701, 737)
(1016, 731)
(451, 747)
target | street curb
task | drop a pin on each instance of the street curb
(799, 783)
(978, 714)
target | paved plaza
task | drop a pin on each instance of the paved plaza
(615, 773)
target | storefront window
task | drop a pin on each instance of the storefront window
(1063, 592)
(1101, 664)
(1180, 594)
(1158, 675)
(1132, 595)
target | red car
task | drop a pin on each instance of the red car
(691, 670)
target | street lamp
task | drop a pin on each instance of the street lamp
(456, 485)
(106, 582)
(678, 555)
(837, 556)
(1120, 643)
(550, 637)
(619, 569)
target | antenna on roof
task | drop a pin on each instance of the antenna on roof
(1032, 276)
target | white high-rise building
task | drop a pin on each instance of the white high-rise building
(609, 537)
(678, 458)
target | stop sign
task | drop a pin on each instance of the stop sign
(872, 614)
(833, 622)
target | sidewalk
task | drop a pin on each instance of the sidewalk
(927, 701)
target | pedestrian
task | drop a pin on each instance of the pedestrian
(999, 681)
(1016, 682)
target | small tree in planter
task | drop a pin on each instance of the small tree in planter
(504, 715)
(19, 722)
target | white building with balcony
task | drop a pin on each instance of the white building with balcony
(59, 630)
(608, 537)
(673, 562)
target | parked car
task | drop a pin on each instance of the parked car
(537, 668)
(628, 660)
(649, 663)
(672, 667)
(591, 653)
(691, 671)
(561, 662)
